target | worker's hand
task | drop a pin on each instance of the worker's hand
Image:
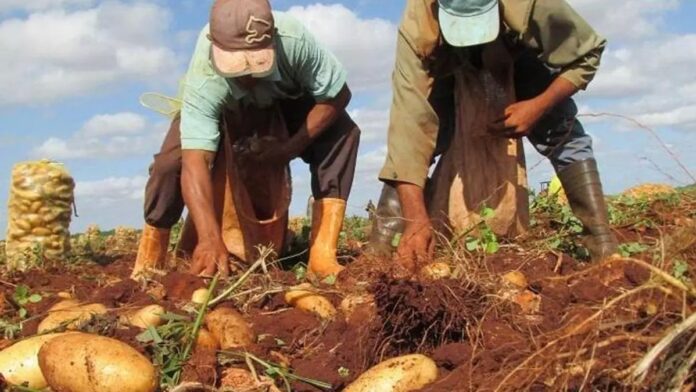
(270, 151)
(210, 257)
(417, 246)
(519, 119)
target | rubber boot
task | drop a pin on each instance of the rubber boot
(387, 222)
(583, 189)
(152, 251)
(327, 221)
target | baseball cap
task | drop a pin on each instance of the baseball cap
(241, 32)
(469, 22)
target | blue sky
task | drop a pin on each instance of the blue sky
(74, 69)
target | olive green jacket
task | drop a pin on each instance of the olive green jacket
(560, 37)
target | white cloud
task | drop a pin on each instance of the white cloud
(371, 162)
(109, 202)
(111, 189)
(366, 47)
(625, 19)
(646, 72)
(106, 136)
(37, 5)
(58, 53)
(373, 124)
(113, 125)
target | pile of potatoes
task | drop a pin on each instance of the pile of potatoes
(39, 212)
(77, 362)
(73, 361)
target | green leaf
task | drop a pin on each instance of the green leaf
(300, 271)
(35, 298)
(487, 213)
(396, 240)
(330, 280)
(21, 292)
(492, 247)
(472, 245)
(680, 269)
(344, 372)
(632, 248)
(22, 313)
(150, 335)
(168, 316)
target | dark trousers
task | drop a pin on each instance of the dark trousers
(331, 158)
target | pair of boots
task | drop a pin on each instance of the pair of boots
(582, 186)
(327, 221)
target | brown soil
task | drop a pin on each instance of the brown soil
(566, 330)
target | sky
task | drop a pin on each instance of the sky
(73, 72)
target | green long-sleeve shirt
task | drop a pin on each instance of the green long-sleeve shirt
(560, 37)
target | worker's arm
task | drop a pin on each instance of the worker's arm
(565, 41)
(413, 130)
(319, 118)
(521, 117)
(204, 94)
(211, 254)
(417, 243)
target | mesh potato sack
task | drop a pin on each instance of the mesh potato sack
(39, 213)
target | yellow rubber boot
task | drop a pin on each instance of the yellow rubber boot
(152, 251)
(327, 221)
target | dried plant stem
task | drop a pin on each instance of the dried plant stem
(641, 369)
(260, 263)
(649, 130)
(665, 276)
(572, 332)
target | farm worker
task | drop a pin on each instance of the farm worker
(248, 56)
(556, 54)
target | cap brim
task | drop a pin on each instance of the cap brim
(461, 31)
(231, 64)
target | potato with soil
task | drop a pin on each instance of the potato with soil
(206, 341)
(69, 314)
(149, 316)
(229, 328)
(19, 363)
(436, 271)
(402, 374)
(359, 307)
(303, 297)
(79, 362)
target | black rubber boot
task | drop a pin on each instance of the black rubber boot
(387, 222)
(583, 188)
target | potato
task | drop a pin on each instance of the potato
(41, 232)
(516, 279)
(364, 303)
(22, 224)
(436, 271)
(67, 304)
(206, 340)
(80, 362)
(149, 316)
(229, 328)
(302, 297)
(19, 363)
(71, 314)
(199, 296)
(402, 374)
(64, 295)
